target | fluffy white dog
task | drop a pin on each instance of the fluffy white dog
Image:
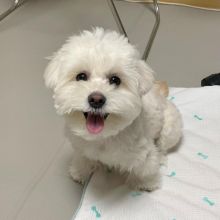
(114, 112)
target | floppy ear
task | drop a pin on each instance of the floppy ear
(52, 71)
(146, 78)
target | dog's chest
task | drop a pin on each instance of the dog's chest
(118, 153)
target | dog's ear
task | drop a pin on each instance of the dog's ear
(53, 70)
(146, 78)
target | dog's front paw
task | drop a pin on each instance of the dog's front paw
(149, 183)
(81, 172)
(81, 168)
(79, 177)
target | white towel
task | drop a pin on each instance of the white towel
(191, 180)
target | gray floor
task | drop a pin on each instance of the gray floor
(187, 48)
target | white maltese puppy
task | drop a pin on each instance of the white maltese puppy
(113, 110)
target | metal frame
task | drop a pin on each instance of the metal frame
(15, 4)
(122, 29)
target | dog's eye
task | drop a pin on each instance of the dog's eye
(81, 76)
(115, 80)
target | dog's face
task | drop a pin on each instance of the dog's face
(98, 82)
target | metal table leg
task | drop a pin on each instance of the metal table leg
(153, 33)
(18, 3)
(15, 4)
(117, 17)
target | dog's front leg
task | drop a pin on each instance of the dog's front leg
(81, 168)
(146, 176)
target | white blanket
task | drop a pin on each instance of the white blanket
(191, 179)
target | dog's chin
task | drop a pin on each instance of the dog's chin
(96, 125)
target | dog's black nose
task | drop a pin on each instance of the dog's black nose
(96, 100)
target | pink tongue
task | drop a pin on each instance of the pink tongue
(94, 123)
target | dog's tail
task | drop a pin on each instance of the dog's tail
(162, 88)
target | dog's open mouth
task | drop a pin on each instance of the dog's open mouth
(95, 121)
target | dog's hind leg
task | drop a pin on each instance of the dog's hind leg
(172, 129)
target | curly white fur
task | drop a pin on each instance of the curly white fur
(141, 123)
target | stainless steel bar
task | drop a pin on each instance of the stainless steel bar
(154, 31)
(117, 17)
(15, 5)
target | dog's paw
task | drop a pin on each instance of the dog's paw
(81, 168)
(77, 176)
(149, 183)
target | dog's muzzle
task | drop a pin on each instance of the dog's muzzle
(96, 100)
(95, 119)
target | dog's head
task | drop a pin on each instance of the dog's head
(98, 81)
